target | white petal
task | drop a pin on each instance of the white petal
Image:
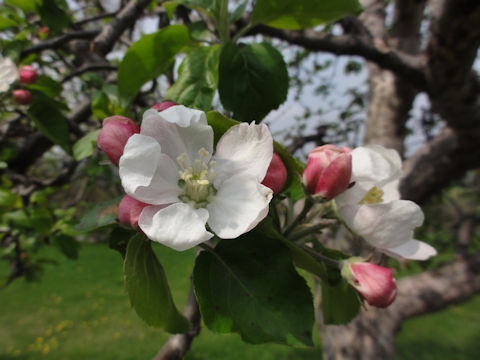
(178, 226)
(375, 165)
(146, 173)
(413, 249)
(239, 205)
(246, 149)
(384, 225)
(390, 191)
(8, 73)
(179, 130)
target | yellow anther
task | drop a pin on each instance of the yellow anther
(373, 196)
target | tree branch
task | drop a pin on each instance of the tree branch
(178, 345)
(104, 42)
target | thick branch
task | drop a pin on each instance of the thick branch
(403, 64)
(443, 159)
(125, 19)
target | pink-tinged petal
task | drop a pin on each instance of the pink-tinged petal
(114, 135)
(243, 149)
(328, 171)
(413, 250)
(163, 105)
(28, 74)
(375, 283)
(276, 174)
(129, 211)
(180, 130)
(146, 173)
(336, 177)
(178, 226)
(22, 96)
(239, 205)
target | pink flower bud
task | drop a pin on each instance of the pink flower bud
(375, 283)
(22, 96)
(328, 171)
(28, 74)
(114, 135)
(276, 174)
(163, 105)
(129, 211)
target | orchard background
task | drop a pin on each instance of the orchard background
(401, 74)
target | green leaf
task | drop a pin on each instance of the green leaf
(238, 12)
(25, 5)
(340, 303)
(170, 6)
(9, 200)
(5, 23)
(253, 80)
(85, 147)
(221, 124)
(197, 80)
(118, 239)
(150, 57)
(100, 215)
(53, 14)
(302, 14)
(47, 85)
(67, 245)
(249, 286)
(50, 121)
(148, 289)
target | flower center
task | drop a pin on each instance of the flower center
(196, 180)
(373, 196)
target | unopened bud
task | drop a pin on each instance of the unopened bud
(163, 105)
(375, 283)
(28, 74)
(114, 135)
(22, 96)
(129, 211)
(328, 171)
(276, 174)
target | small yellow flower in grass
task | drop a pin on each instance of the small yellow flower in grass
(46, 349)
(116, 335)
(39, 340)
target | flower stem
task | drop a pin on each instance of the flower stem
(306, 208)
(321, 257)
(297, 235)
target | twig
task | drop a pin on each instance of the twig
(87, 69)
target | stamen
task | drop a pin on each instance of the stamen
(373, 196)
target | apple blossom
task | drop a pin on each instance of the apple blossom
(129, 211)
(375, 283)
(8, 73)
(114, 135)
(28, 74)
(328, 171)
(169, 165)
(372, 207)
(276, 174)
(22, 96)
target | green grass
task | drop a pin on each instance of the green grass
(79, 310)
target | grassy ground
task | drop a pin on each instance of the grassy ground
(79, 310)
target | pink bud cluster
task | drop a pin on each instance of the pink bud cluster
(375, 283)
(328, 171)
(113, 137)
(28, 75)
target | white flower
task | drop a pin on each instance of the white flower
(170, 166)
(8, 73)
(372, 207)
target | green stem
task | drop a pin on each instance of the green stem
(297, 235)
(306, 208)
(243, 31)
(222, 22)
(321, 257)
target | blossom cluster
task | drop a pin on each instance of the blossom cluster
(181, 192)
